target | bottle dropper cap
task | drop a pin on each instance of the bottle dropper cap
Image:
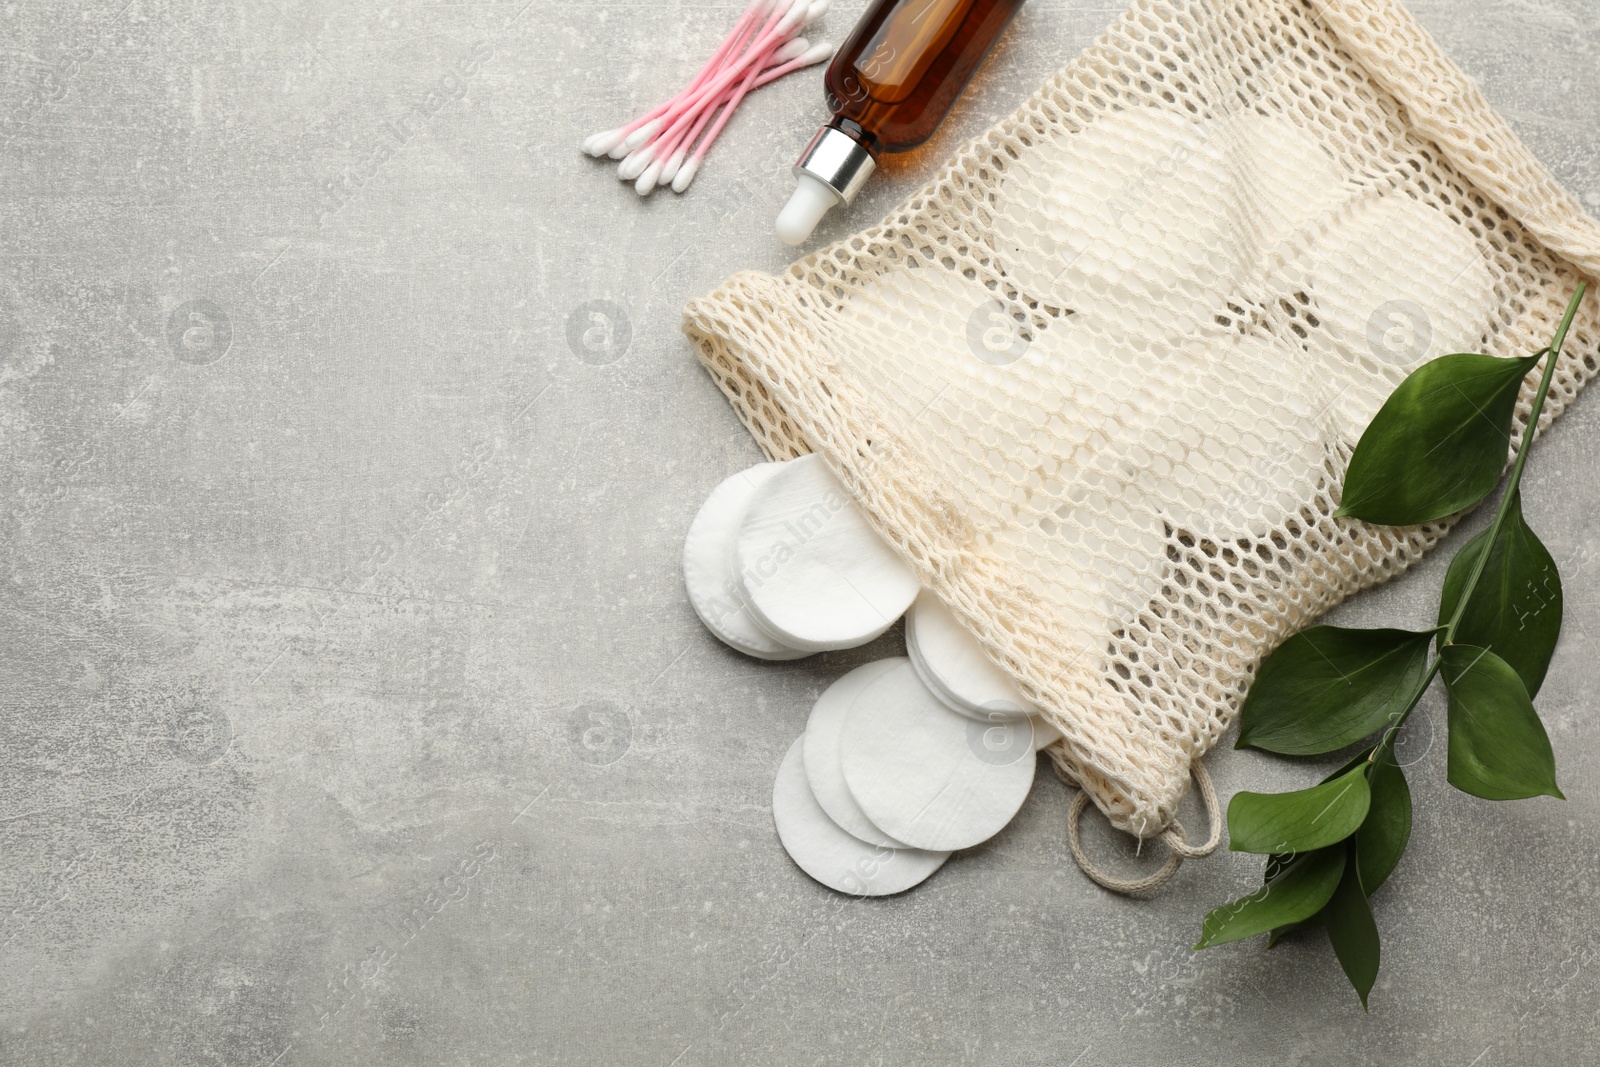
(831, 170)
(811, 200)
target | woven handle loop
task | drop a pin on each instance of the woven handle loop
(1178, 847)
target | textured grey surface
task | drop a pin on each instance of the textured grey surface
(350, 705)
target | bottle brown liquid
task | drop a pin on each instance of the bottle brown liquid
(890, 85)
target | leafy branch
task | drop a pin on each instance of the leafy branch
(1437, 446)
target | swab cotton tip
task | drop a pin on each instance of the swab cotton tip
(670, 171)
(635, 164)
(763, 46)
(643, 134)
(791, 50)
(816, 54)
(602, 143)
(791, 18)
(685, 175)
(649, 179)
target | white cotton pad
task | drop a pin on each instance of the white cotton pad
(1110, 542)
(1134, 220)
(952, 664)
(1394, 284)
(825, 852)
(1286, 180)
(709, 577)
(1240, 447)
(928, 776)
(1045, 733)
(810, 569)
(823, 769)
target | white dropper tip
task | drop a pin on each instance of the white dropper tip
(649, 179)
(670, 171)
(635, 164)
(811, 200)
(685, 175)
(643, 134)
(817, 9)
(599, 144)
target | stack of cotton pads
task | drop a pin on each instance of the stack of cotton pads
(904, 760)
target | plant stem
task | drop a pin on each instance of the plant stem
(1552, 354)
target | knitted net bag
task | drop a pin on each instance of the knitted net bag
(1099, 379)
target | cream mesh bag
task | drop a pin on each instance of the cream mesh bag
(1098, 381)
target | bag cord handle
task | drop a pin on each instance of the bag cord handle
(1178, 847)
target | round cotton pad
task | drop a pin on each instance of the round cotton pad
(1285, 177)
(823, 769)
(1241, 445)
(1134, 220)
(1045, 733)
(810, 569)
(928, 776)
(828, 854)
(1394, 284)
(706, 571)
(952, 663)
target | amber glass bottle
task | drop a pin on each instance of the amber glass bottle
(890, 85)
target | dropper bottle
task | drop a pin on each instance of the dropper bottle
(890, 85)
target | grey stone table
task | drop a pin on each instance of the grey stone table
(352, 709)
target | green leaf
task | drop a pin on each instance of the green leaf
(1438, 444)
(1300, 821)
(1383, 835)
(1328, 687)
(1516, 606)
(1498, 747)
(1298, 889)
(1348, 919)
(1278, 933)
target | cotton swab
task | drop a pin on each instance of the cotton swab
(607, 141)
(667, 144)
(665, 164)
(686, 170)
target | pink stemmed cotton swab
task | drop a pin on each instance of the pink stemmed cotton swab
(643, 142)
(775, 32)
(674, 147)
(608, 141)
(685, 172)
(780, 22)
(763, 46)
(731, 47)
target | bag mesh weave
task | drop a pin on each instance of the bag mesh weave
(1099, 379)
